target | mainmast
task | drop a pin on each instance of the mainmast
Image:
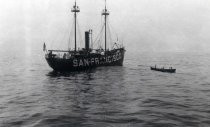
(75, 10)
(105, 13)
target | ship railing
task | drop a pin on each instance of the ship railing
(66, 54)
(61, 51)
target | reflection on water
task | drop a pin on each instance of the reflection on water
(82, 97)
(69, 74)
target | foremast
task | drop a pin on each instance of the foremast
(105, 13)
(75, 10)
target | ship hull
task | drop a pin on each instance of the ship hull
(88, 61)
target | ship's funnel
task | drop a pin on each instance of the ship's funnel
(87, 40)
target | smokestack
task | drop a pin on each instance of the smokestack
(87, 40)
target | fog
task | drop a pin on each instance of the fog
(142, 25)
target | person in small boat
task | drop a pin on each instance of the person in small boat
(50, 54)
(64, 56)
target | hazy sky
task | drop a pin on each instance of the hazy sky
(143, 25)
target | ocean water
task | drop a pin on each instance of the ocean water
(32, 95)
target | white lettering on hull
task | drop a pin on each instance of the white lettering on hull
(86, 62)
(80, 63)
(75, 64)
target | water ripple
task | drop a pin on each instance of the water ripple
(33, 95)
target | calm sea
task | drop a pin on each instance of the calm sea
(32, 95)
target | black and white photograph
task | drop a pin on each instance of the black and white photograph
(104, 63)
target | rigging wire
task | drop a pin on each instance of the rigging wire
(98, 38)
(114, 31)
(64, 37)
(70, 36)
(80, 35)
(101, 38)
(59, 37)
(110, 35)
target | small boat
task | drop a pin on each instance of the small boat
(170, 70)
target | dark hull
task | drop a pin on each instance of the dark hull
(163, 70)
(86, 61)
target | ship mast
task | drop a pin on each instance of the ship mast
(105, 13)
(75, 10)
